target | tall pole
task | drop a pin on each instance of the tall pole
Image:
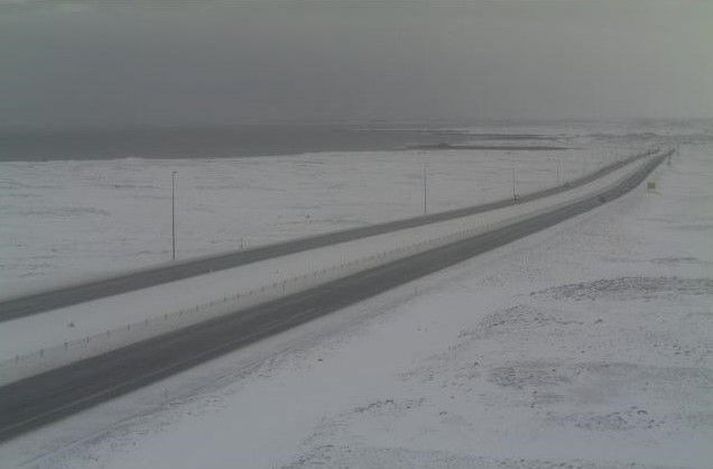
(514, 186)
(173, 215)
(425, 194)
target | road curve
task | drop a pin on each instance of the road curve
(44, 301)
(48, 397)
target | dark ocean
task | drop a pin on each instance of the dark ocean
(213, 142)
(283, 139)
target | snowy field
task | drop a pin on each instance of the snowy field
(29, 345)
(587, 345)
(66, 221)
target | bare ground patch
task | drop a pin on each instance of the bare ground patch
(628, 288)
(344, 456)
(599, 381)
(517, 318)
(627, 419)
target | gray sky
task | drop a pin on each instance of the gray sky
(124, 62)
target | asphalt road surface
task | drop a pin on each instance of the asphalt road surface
(59, 298)
(45, 398)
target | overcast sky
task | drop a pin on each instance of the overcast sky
(124, 62)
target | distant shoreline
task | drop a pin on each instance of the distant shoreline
(446, 146)
(218, 142)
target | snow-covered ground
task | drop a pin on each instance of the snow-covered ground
(65, 221)
(36, 343)
(587, 345)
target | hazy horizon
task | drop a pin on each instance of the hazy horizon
(127, 63)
